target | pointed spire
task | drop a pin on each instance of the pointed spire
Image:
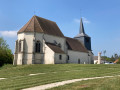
(81, 27)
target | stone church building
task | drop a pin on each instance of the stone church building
(40, 41)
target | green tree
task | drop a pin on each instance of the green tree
(6, 56)
(112, 58)
(116, 56)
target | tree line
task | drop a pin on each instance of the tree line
(112, 58)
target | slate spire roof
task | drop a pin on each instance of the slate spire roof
(82, 31)
(41, 25)
(81, 27)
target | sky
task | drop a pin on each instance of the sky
(101, 20)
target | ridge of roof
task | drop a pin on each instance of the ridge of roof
(37, 21)
(45, 19)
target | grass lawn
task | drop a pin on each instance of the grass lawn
(18, 76)
(96, 84)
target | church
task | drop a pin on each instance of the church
(40, 41)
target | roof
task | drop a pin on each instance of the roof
(38, 24)
(74, 44)
(81, 27)
(55, 48)
(82, 32)
(117, 60)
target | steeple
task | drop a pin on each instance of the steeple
(83, 37)
(81, 27)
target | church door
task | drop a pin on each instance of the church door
(78, 61)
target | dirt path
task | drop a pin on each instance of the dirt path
(51, 85)
(2, 78)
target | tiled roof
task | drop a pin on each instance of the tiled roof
(116, 60)
(55, 48)
(38, 24)
(75, 45)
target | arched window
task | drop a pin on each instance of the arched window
(37, 47)
(60, 57)
(19, 46)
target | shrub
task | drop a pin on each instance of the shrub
(6, 56)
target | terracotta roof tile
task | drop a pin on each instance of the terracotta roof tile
(38, 24)
(55, 48)
(116, 60)
(75, 45)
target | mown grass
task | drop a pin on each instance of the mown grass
(18, 76)
(96, 84)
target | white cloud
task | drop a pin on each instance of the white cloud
(8, 33)
(85, 20)
(77, 20)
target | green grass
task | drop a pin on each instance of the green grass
(15, 81)
(96, 84)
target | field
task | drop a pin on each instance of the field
(19, 77)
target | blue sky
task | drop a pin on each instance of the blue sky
(101, 19)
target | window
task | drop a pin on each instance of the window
(37, 47)
(68, 58)
(60, 57)
(19, 46)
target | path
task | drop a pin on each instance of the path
(52, 85)
(2, 78)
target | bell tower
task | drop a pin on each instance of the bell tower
(83, 37)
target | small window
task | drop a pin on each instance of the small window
(37, 47)
(60, 57)
(68, 58)
(19, 46)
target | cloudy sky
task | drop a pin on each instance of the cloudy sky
(101, 19)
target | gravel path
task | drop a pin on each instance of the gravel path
(2, 78)
(51, 85)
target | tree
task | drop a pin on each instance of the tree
(116, 56)
(6, 56)
(112, 58)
